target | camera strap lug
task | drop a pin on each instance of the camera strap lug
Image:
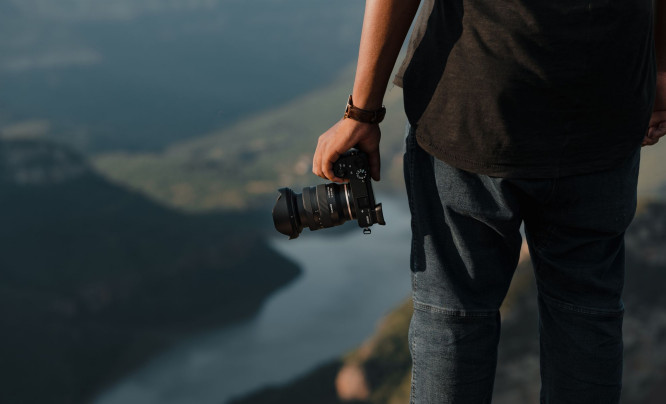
(367, 230)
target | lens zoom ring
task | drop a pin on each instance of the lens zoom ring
(324, 206)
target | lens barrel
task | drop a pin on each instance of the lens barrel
(319, 207)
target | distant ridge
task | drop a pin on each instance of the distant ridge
(95, 278)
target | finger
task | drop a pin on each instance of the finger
(654, 133)
(327, 168)
(316, 164)
(649, 141)
(374, 161)
(660, 130)
(316, 168)
(650, 132)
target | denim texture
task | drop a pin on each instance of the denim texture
(466, 242)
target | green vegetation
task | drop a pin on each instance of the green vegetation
(245, 164)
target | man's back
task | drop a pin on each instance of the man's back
(535, 89)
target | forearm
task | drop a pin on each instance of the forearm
(385, 27)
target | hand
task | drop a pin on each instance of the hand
(657, 126)
(656, 129)
(342, 136)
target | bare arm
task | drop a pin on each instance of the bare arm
(657, 127)
(385, 25)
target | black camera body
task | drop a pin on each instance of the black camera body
(353, 166)
(328, 205)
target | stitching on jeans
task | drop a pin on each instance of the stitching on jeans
(589, 311)
(453, 313)
(412, 344)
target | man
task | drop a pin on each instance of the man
(521, 111)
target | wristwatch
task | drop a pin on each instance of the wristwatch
(364, 115)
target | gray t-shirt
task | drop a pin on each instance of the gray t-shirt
(530, 88)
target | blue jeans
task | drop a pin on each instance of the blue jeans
(465, 248)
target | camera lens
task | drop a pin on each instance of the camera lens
(285, 214)
(320, 207)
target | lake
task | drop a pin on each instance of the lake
(349, 282)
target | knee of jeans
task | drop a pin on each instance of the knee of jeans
(453, 343)
(582, 348)
(454, 314)
(612, 311)
(454, 354)
(449, 328)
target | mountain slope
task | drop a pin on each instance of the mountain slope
(94, 278)
(247, 163)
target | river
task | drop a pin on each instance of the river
(349, 282)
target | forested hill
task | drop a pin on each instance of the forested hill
(93, 277)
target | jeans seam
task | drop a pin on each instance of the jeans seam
(588, 311)
(453, 313)
(412, 350)
(409, 158)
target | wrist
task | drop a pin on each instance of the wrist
(369, 116)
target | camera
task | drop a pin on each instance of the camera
(328, 205)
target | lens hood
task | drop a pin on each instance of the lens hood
(285, 217)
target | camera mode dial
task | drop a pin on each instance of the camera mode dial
(361, 174)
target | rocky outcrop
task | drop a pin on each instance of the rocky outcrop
(352, 384)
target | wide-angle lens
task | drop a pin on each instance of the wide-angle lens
(319, 207)
(326, 205)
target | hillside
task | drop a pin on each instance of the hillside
(246, 163)
(378, 372)
(95, 278)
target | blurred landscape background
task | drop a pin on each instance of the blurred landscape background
(141, 146)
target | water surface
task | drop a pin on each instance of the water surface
(349, 282)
